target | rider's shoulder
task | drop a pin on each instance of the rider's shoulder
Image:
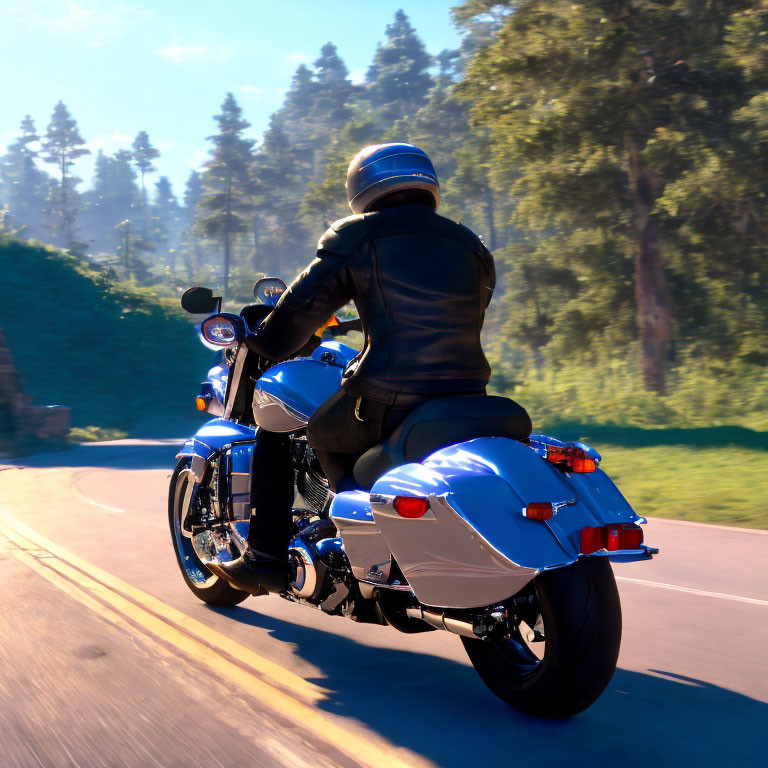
(344, 235)
(461, 232)
(349, 222)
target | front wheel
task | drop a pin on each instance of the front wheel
(202, 582)
(563, 653)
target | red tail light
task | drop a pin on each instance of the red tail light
(411, 507)
(591, 540)
(629, 535)
(539, 510)
(570, 458)
(612, 537)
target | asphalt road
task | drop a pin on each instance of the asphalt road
(106, 659)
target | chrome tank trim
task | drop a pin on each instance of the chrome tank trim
(274, 415)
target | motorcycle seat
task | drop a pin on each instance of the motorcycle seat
(438, 423)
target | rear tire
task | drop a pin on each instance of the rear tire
(581, 615)
(201, 581)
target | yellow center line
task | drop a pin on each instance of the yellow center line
(86, 582)
(30, 557)
(283, 677)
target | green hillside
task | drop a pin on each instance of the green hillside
(119, 356)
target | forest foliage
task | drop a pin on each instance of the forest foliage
(613, 155)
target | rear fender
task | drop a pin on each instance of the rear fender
(474, 546)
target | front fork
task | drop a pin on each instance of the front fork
(208, 519)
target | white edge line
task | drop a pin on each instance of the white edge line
(78, 492)
(102, 506)
(691, 590)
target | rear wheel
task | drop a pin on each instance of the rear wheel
(202, 582)
(563, 654)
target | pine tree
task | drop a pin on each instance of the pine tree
(189, 248)
(300, 99)
(24, 184)
(132, 243)
(227, 183)
(326, 200)
(280, 175)
(113, 198)
(193, 194)
(333, 90)
(595, 112)
(143, 155)
(62, 145)
(294, 154)
(397, 80)
(166, 222)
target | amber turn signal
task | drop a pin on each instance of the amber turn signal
(201, 403)
(333, 321)
(539, 510)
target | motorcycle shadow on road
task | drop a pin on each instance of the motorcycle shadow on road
(438, 708)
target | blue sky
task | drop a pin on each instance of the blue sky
(165, 66)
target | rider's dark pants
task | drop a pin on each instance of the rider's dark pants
(341, 430)
(344, 427)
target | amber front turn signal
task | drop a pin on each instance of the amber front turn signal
(201, 403)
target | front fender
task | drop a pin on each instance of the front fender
(212, 437)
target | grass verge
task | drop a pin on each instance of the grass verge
(708, 475)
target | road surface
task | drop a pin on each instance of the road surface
(106, 659)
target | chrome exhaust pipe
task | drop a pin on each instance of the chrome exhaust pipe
(441, 621)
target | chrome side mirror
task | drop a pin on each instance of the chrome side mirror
(268, 290)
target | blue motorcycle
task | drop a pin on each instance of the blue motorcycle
(454, 523)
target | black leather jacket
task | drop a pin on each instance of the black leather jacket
(420, 283)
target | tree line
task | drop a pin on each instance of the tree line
(612, 153)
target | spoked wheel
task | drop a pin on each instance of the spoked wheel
(563, 653)
(204, 584)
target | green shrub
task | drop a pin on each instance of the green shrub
(94, 434)
(120, 356)
(610, 391)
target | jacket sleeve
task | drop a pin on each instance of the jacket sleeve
(321, 289)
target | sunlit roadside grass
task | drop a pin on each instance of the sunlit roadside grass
(726, 485)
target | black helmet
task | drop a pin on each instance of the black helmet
(382, 169)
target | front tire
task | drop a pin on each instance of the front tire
(579, 610)
(201, 581)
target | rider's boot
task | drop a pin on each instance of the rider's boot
(255, 572)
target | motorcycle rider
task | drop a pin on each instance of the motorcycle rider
(421, 284)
